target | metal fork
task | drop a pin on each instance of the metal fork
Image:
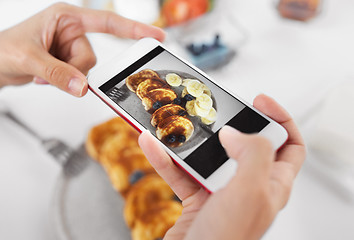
(118, 94)
(72, 160)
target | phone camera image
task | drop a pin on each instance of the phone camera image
(181, 107)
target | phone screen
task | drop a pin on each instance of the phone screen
(181, 107)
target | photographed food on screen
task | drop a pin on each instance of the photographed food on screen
(133, 81)
(175, 130)
(150, 206)
(157, 98)
(173, 102)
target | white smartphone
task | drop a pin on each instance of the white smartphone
(151, 88)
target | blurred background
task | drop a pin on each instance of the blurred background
(300, 52)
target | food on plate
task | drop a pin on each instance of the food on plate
(194, 87)
(134, 80)
(206, 90)
(173, 79)
(143, 195)
(100, 133)
(148, 85)
(202, 105)
(118, 152)
(190, 108)
(157, 98)
(184, 92)
(150, 206)
(204, 101)
(204, 87)
(166, 111)
(122, 165)
(153, 224)
(210, 118)
(185, 81)
(185, 98)
(175, 130)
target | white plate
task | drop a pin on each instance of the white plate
(86, 207)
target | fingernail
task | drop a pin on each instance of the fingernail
(76, 86)
(229, 129)
(147, 131)
(39, 80)
(227, 132)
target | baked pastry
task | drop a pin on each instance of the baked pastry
(121, 165)
(143, 195)
(154, 223)
(100, 133)
(148, 85)
(175, 130)
(113, 147)
(157, 98)
(150, 208)
(134, 80)
(167, 111)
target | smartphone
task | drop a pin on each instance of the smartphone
(153, 89)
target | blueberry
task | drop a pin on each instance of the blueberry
(190, 47)
(188, 97)
(193, 49)
(177, 101)
(217, 40)
(204, 48)
(181, 138)
(136, 176)
(198, 51)
(171, 138)
(156, 105)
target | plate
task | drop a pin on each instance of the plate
(86, 207)
(132, 104)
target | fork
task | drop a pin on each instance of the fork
(118, 94)
(72, 161)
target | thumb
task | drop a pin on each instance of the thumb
(253, 153)
(60, 74)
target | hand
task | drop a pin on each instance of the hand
(51, 47)
(246, 207)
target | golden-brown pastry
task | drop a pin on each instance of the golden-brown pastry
(143, 195)
(132, 160)
(121, 156)
(157, 98)
(111, 150)
(149, 207)
(154, 223)
(148, 85)
(134, 80)
(100, 133)
(175, 130)
(167, 111)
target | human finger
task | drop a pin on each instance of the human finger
(272, 109)
(39, 80)
(82, 55)
(58, 73)
(253, 153)
(180, 183)
(109, 22)
(293, 151)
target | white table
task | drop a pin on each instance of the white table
(293, 62)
